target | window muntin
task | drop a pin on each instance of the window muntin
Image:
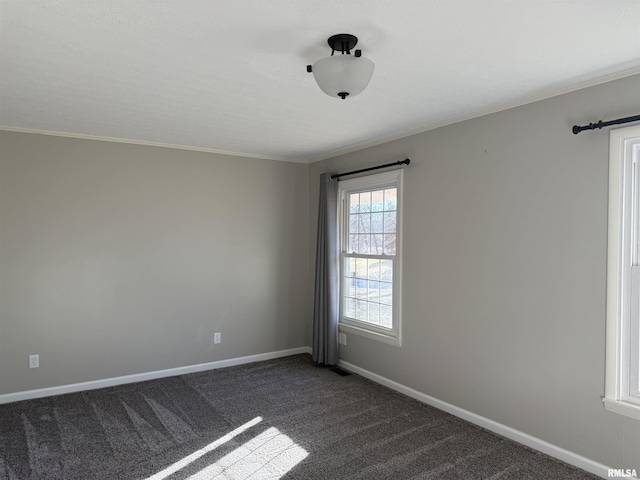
(370, 248)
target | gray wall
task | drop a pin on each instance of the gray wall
(505, 269)
(119, 259)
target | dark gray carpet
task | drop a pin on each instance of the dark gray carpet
(283, 418)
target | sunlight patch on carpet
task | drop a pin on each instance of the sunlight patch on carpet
(180, 464)
(271, 454)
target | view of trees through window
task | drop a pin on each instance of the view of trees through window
(368, 265)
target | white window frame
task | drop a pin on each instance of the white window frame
(346, 187)
(622, 383)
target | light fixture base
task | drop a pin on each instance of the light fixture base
(342, 42)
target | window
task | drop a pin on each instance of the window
(370, 244)
(622, 389)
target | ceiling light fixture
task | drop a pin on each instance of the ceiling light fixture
(342, 75)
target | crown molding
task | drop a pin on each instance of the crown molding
(81, 136)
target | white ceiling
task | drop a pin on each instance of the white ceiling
(229, 75)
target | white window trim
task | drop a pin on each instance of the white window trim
(618, 314)
(393, 177)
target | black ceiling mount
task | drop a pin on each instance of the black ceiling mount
(342, 42)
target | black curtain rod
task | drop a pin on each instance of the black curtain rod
(406, 161)
(592, 126)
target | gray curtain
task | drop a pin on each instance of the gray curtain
(325, 303)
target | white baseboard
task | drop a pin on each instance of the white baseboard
(508, 432)
(141, 377)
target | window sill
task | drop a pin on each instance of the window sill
(380, 337)
(623, 408)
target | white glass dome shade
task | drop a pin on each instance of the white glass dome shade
(343, 75)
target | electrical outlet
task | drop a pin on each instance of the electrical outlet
(217, 337)
(34, 361)
(343, 339)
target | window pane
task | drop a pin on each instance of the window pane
(374, 291)
(361, 268)
(385, 316)
(363, 244)
(353, 243)
(354, 201)
(377, 201)
(390, 222)
(390, 199)
(377, 243)
(350, 267)
(386, 293)
(374, 313)
(364, 223)
(349, 287)
(377, 222)
(350, 308)
(374, 269)
(353, 223)
(390, 244)
(361, 310)
(361, 289)
(365, 202)
(386, 270)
